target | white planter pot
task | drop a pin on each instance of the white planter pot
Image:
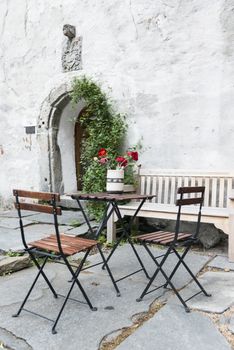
(115, 181)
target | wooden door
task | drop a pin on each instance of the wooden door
(80, 135)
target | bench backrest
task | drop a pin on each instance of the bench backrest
(164, 183)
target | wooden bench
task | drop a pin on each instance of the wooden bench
(218, 203)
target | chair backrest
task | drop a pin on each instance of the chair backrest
(189, 196)
(47, 204)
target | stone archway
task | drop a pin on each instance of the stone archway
(51, 162)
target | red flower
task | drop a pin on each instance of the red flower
(122, 161)
(133, 155)
(103, 160)
(102, 152)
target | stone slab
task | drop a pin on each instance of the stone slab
(14, 263)
(13, 287)
(67, 218)
(10, 239)
(82, 229)
(78, 322)
(13, 222)
(231, 325)
(68, 202)
(222, 262)
(219, 284)
(173, 328)
(113, 312)
(14, 214)
(125, 255)
(10, 341)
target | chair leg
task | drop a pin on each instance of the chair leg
(43, 274)
(113, 250)
(159, 266)
(75, 277)
(138, 258)
(65, 302)
(190, 272)
(109, 271)
(160, 269)
(74, 281)
(40, 272)
(178, 264)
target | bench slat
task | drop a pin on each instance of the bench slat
(148, 185)
(186, 181)
(221, 193)
(214, 192)
(166, 190)
(142, 185)
(48, 209)
(173, 190)
(160, 186)
(154, 187)
(207, 191)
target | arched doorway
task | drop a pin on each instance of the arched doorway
(56, 135)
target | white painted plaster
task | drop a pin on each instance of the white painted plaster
(169, 65)
(66, 143)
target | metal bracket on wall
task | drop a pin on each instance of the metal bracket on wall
(30, 129)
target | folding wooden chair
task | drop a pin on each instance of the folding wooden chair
(57, 247)
(173, 240)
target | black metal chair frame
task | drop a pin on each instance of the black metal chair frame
(172, 248)
(38, 255)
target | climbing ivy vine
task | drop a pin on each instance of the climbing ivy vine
(105, 128)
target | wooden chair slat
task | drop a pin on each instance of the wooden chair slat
(191, 189)
(44, 245)
(46, 196)
(180, 238)
(188, 201)
(150, 236)
(70, 245)
(48, 209)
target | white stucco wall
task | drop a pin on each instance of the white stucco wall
(169, 64)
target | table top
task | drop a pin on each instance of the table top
(105, 196)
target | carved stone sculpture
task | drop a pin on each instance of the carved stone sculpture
(72, 49)
(69, 31)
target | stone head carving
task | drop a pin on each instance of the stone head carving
(72, 49)
(69, 31)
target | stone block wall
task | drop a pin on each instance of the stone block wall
(169, 65)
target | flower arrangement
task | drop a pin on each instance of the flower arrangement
(116, 162)
(126, 163)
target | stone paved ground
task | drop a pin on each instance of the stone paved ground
(210, 325)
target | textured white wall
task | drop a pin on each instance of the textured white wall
(169, 64)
